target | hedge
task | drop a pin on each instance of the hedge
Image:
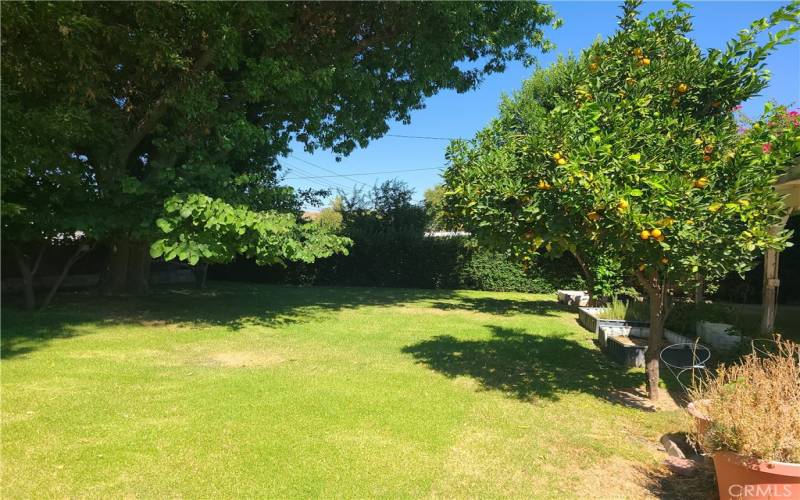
(410, 261)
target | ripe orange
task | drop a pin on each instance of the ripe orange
(645, 62)
(622, 205)
(562, 161)
(708, 149)
(706, 157)
(701, 182)
(645, 235)
(682, 88)
(655, 233)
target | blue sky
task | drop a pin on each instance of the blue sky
(450, 114)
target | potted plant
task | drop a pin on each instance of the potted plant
(751, 424)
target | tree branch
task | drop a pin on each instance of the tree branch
(159, 109)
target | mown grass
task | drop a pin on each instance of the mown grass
(251, 390)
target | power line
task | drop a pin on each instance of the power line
(327, 185)
(328, 170)
(367, 173)
(425, 137)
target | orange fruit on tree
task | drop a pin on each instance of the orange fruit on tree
(645, 61)
(561, 161)
(682, 88)
(655, 233)
(645, 235)
(701, 182)
(593, 66)
(557, 156)
(706, 157)
(623, 205)
(638, 52)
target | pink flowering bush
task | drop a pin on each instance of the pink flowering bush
(775, 137)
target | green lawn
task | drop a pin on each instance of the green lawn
(251, 390)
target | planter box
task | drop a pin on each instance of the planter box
(627, 351)
(716, 335)
(587, 317)
(606, 333)
(573, 297)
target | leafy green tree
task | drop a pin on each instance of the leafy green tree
(433, 200)
(154, 99)
(631, 151)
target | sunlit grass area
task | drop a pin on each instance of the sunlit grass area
(253, 390)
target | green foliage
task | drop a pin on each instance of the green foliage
(433, 200)
(330, 220)
(489, 270)
(120, 106)
(631, 310)
(199, 227)
(631, 151)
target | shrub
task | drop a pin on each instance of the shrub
(632, 310)
(754, 406)
(489, 270)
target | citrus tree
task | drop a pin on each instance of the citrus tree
(630, 153)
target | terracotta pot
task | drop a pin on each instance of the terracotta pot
(753, 479)
(701, 421)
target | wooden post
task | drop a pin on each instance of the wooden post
(769, 294)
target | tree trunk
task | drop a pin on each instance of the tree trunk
(200, 274)
(658, 294)
(589, 278)
(651, 356)
(138, 278)
(82, 249)
(27, 277)
(699, 289)
(118, 266)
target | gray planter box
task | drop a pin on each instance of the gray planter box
(627, 351)
(573, 297)
(587, 317)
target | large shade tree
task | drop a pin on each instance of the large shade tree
(128, 104)
(630, 154)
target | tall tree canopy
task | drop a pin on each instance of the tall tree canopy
(112, 108)
(631, 153)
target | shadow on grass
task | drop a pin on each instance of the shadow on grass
(504, 306)
(525, 366)
(230, 305)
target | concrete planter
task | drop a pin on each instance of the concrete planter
(627, 351)
(588, 318)
(606, 333)
(573, 297)
(716, 334)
